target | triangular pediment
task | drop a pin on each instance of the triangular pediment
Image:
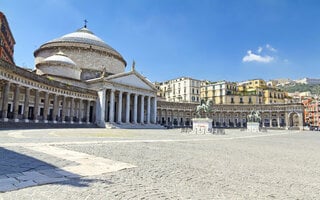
(132, 80)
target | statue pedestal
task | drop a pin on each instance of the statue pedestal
(253, 126)
(202, 125)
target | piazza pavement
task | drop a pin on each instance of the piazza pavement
(158, 164)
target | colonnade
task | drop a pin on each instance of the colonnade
(22, 103)
(175, 117)
(125, 107)
(239, 119)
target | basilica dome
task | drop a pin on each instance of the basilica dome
(89, 53)
(59, 65)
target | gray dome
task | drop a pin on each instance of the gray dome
(59, 65)
(60, 58)
(83, 36)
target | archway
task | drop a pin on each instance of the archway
(293, 120)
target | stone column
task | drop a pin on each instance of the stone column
(88, 112)
(241, 119)
(45, 107)
(287, 120)
(300, 115)
(278, 119)
(135, 108)
(111, 112)
(128, 108)
(16, 100)
(148, 109)
(71, 110)
(270, 120)
(64, 109)
(119, 115)
(26, 105)
(100, 108)
(106, 118)
(36, 106)
(142, 110)
(55, 108)
(80, 112)
(5, 102)
(154, 110)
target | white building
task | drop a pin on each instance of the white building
(182, 89)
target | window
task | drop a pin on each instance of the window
(250, 100)
(193, 98)
(232, 100)
(241, 100)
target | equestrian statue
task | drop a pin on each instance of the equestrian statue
(205, 107)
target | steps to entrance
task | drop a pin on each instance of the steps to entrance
(133, 126)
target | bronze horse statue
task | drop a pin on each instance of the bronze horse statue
(204, 108)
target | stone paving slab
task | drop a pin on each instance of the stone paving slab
(87, 165)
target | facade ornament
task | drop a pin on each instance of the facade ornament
(133, 66)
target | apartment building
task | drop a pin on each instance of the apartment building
(183, 89)
(243, 93)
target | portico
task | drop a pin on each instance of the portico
(125, 98)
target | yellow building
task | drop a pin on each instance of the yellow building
(274, 95)
(248, 92)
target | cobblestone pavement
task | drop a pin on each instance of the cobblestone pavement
(158, 164)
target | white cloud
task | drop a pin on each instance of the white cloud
(270, 48)
(251, 57)
(260, 49)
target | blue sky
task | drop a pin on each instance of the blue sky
(215, 40)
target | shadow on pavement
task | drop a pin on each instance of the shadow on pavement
(18, 171)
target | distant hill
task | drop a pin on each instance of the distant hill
(299, 87)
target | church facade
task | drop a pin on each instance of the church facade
(78, 78)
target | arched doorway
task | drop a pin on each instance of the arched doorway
(293, 120)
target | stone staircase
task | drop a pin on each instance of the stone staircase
(133, 126)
